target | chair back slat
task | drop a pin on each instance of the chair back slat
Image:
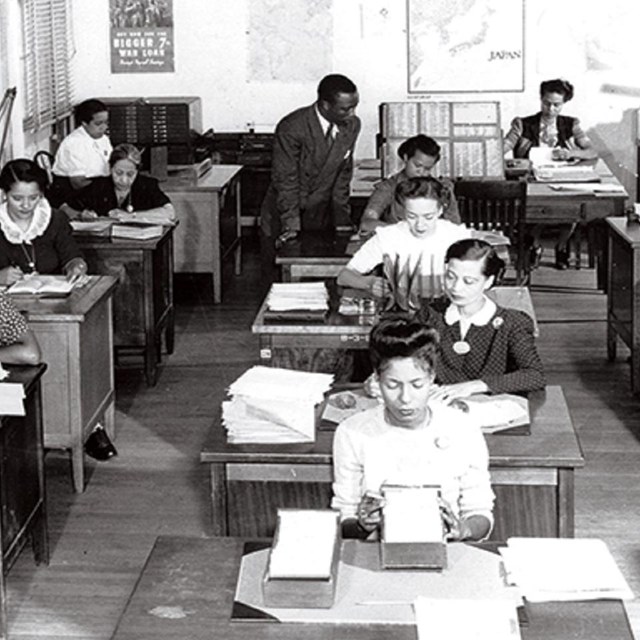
(498, 206)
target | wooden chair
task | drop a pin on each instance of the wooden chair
(499, 206)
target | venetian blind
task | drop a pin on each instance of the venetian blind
(48, 47)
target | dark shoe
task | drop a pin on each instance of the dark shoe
(99, 446)
(562, 259)
(535, 255)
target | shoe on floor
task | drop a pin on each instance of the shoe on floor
(99, 446)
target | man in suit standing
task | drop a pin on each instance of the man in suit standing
(311, 168)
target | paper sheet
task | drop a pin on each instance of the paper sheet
(11, 399)
(304, 544)
(411, 514)
(468, 619)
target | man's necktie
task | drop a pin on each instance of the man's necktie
(328, 137)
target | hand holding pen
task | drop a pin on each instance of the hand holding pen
(11, 275)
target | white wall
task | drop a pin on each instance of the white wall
(369, 45)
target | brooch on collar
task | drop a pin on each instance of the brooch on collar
(497, 322)
(461, 347)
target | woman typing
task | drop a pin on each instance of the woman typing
(34, 238)
(419, 154)
(408, 440)
(124, 195)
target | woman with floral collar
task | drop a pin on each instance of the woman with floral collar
(483, 348)
(34, 238)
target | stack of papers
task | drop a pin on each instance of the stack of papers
(565, 174)
(304, 544)
(136, 231)
(559, 569)
(288, 296)
(271, 405)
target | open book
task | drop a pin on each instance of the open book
(42, 285)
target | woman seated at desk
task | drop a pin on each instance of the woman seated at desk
(419, 154)
(420, 239)
(565, 136)
(410, 441)
(124, 195)
(34, 238)
(483, 348)
(18, 345)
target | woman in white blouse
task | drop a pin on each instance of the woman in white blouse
(408, 441)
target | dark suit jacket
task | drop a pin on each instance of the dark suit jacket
(309, 177)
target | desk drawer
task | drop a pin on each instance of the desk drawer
(553, 213)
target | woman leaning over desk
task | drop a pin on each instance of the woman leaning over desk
(410, 441)
(124, 194)
(564, 135)
(34, 238)
(419, 154)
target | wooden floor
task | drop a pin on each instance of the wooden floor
(100, 539)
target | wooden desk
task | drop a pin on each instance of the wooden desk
(623, 292)
(22, 481)
(143, 302)
(544, 204)
(314, 254)
(196, 579)
(210, 229)
(76, 338)
(532, 476)
(345, 332)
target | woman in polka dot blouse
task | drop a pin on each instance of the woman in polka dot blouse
(484, 348)
(18, 345)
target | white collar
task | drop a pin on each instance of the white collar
(479, 318)
(39, 223)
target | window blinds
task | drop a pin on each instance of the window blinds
(48, 48)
